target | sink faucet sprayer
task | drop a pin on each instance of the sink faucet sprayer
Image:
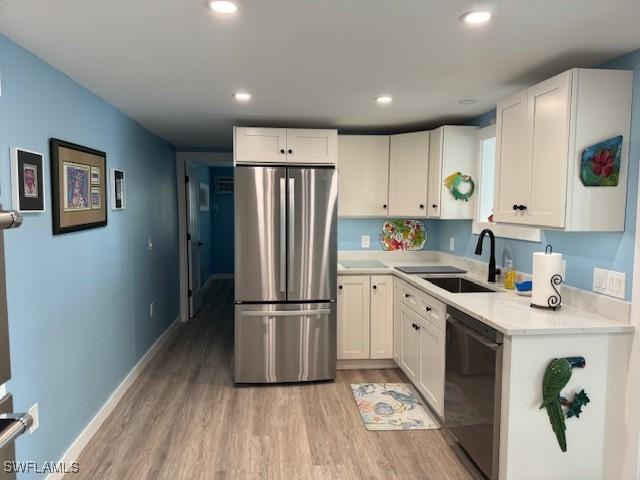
(493, 271)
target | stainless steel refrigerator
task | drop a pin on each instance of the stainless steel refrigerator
(285, 273)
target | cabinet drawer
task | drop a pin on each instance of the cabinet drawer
(423, 304)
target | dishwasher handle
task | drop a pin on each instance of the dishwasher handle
(487, 342)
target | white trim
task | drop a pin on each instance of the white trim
(75, 449)
(504, 230)
(366, 364)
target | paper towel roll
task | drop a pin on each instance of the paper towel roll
(545, 266)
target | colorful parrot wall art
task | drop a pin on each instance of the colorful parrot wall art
(556, 377)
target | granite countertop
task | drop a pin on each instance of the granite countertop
(504, 310)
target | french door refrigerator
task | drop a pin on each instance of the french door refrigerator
(285, 273)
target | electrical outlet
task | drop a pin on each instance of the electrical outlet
(33, 411)
(150, 243)
(609, 282)
(365, 241)
(452, 244)
(151, 309)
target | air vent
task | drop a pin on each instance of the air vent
(224, 184)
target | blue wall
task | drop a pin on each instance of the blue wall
(221, 224)
(206, 250)
(582, 251)
(79, 303)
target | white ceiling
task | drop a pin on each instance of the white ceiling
(173, 65)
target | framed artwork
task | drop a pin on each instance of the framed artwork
(204, 197)
(78, 187)
(118, 193)
(600, 163)
(27, 181)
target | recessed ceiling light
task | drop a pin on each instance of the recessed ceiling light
(383, 99)
(474, 18)
(467, 101)
(242, 96)
(222, 6)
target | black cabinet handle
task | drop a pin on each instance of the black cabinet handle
(428, 309)
(522, 207)
(421, 206)
(340, 287)
(375, 287)
(515, 207)
(290, 151)
(406, 295)
(282, 150)
(434, 206)
(384, 206)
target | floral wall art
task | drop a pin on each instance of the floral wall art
(600, 165)
(403, 235)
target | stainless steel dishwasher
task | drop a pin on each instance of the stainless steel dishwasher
(473, 386)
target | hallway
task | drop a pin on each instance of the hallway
(184, 419)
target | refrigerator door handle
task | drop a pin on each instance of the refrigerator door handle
(285, 313)
(283, 235)
(292, 185)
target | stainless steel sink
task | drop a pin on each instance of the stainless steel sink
(457, 284)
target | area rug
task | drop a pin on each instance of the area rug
(392, 406)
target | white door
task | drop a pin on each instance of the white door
(409, 341)
(319, 147)
(408, 174)
(548, 113)
(434, 187)
(382, 316)
(363, 175)
(260, 145)
(353, 317)
(193, 238)
(431, 368)
(513, 160)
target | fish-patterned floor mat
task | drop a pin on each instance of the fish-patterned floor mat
(392, 406)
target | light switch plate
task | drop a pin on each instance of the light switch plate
(365, 241)
(609, 282)
(452, 244)
(35, 415)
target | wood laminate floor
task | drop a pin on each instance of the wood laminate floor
(183, 418)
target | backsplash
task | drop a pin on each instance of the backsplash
(350, 231)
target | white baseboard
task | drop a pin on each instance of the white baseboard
(73, 452)
(366, 364)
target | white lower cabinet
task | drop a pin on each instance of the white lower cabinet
(419, 350)
(365, 317)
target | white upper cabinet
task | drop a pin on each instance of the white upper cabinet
(408, 174)
(452, 149)
(542, 134)
(363, 175)
(260, 145)
(319, 147)
(285, 145)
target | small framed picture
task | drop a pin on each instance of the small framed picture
(204, 197)
(78, 187)
(27, 181)
(118, 192)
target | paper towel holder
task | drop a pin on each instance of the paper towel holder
(554, 302)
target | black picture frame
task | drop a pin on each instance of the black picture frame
(27, 196)
(58, 192)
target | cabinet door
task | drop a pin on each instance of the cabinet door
(409, 342)
(513, 159)
(408, 174)
(459, 146)
(382, 316)
(431, 365)
(434, 188)
(260, 145)
(548, 113)
(319, 147)
(353, 317)
(363, 175)
(397, 292)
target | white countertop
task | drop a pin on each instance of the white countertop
(505, 310)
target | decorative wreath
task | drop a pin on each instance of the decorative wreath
(453, 183)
